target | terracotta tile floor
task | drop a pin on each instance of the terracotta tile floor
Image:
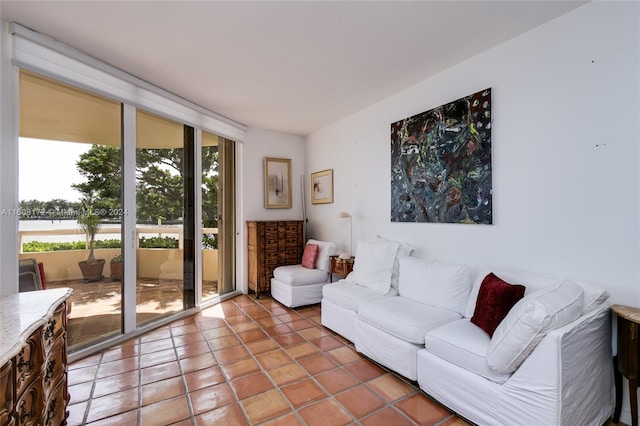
(244, 362)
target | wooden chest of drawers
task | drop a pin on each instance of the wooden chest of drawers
(33, 371)
(271, 244)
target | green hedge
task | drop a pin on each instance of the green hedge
(209, 242)
(158, 242)
(39, 246)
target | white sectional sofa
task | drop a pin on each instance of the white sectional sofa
(548, 361)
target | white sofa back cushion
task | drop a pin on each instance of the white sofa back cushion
(404, 250)
(446, 286)
(326, 249)
(531, 281)
(374, 265)
(530, 320)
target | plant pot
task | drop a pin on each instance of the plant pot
(116, 271)
(91, 271)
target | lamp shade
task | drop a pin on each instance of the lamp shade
(344, 215)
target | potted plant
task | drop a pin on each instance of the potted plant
(90, 223)
(116, 267)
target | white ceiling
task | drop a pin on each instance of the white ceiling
(291, 67)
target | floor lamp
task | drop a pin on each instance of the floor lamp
(345, 215)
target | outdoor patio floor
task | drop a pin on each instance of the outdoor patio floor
(96, 306)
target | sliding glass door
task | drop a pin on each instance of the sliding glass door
(176, 229)
(70, 180)
(218, 215)
(164, 212)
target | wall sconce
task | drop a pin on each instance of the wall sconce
(345, 215)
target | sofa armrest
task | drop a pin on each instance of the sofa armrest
(573, 366)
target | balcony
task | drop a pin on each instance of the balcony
(96, 306)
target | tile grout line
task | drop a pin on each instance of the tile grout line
(93, 387)
(187, 395)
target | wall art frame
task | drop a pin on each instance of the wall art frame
(277, 183)
(322, 187)
(441, 163)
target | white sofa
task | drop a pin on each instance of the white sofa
(296, 285)
(548, 362)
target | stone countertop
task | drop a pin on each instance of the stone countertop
(21, 314)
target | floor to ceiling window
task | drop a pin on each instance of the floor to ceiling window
(70, 175)
(72, 162)
(164, 252)
(218, 215)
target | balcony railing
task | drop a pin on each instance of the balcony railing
(140, 230)
(63, 264)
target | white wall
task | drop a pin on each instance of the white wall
(565, 155)
(257, 145)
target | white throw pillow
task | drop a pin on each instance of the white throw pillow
(373, 265)
(326, 249)
(530, 320)
(404, 250)
(442, 285)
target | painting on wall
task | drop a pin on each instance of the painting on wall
(441, 163)
(322, 187)
(277, 183)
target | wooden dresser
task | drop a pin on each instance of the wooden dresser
(33, 358)
(271, 244)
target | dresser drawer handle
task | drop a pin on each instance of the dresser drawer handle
(633, 331)
(50, 370)
(49, 332)
(23, 363)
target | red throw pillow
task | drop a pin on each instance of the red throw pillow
(495, 298)
(310, 256)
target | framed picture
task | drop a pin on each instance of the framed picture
(322, 187)
(277, 183)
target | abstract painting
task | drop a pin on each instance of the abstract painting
(441, 163)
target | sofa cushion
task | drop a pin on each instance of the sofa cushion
(495, 299)
(594, 296)
(404, 250)
(310, 255)
(531, 281)
(446, 286)
(464, 344)
(325, 250)
(404, 318)
(530, 320)
(374, 265)
(296, 275)
(349, 296)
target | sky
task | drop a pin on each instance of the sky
(48, 168)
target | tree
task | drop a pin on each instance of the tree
(101, 166)
(159, 182)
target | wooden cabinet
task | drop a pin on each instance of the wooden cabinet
(33, 372)
(627, 362)
(271, 244)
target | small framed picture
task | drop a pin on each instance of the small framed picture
(277, 183)
(322, 187)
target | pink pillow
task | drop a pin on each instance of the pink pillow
(310, 256)
(495, 299)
